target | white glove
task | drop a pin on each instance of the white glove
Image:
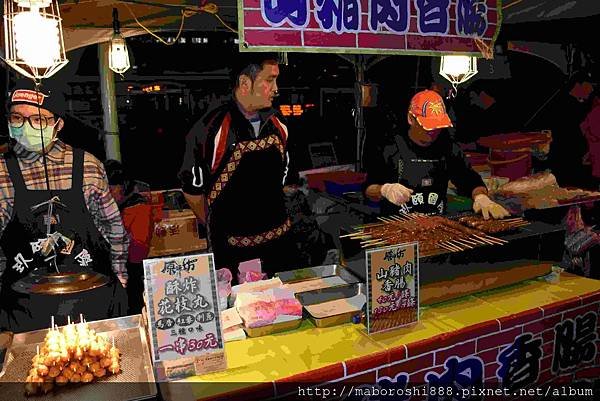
(396, 193)
(484, 205)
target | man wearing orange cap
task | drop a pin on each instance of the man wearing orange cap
(411, 174)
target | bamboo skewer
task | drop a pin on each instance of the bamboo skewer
(443, 245)
(454, 246)
(460, 241)
(458, 244)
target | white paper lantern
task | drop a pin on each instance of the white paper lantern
(458, 69)
(33, 37)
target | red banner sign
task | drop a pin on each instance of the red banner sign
(422, 27)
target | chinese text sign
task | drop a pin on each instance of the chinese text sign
(183, 310)
(369, 26)
(393, 287)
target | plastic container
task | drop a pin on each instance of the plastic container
(477, 159)
(512, 164)
(337, 189)
(318, 181)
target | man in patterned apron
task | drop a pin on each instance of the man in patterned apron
(235, 168)
(412, 173)
(39, 168)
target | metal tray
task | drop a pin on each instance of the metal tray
(135, 382)
(331, 294)
(273, 328)
(313, 273)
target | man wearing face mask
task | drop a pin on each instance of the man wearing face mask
(412, 173)
(235, 168)
(40, 167)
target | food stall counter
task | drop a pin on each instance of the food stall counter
(481, 326)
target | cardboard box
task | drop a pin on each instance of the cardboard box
(176, 233)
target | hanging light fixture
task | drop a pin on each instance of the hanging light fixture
(33, 37)
(118, 59)
(458, 69)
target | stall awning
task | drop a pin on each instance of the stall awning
(519, 11)
(87, 22)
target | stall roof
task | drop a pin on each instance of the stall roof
(520, 11)
(86, 22)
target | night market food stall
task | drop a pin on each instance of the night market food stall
(393, 314)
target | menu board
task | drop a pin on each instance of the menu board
(183, 315)
(392, 287)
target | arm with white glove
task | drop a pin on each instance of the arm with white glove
(397, 194)
(484, 205)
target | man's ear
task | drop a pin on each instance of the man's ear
(410, 118)
(245, 83)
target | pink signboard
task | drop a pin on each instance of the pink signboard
(421, 27)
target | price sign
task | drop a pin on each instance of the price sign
(183, 315)
(393, 287)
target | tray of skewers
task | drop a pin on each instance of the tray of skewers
(70, 362)
(493, 226)
(435, 234)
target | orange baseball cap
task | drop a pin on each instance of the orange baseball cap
(429, 110)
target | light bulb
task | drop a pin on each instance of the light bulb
(37, 39)
(456, 65)
(119, 56)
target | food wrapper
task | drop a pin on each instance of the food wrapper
(257, 314)
(250, 271)
(264, 308)
(288, 307)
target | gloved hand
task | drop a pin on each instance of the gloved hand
(484, 205)
(398, 194)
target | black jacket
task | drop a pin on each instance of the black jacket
(425, 170)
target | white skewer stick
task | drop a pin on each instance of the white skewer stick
(484, 240)
(52, 322)
(463, 243)
(445, 246)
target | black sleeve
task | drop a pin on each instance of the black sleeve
(194, 172)
(379, 165)
(461, 173)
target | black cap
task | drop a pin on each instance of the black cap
(48, 96)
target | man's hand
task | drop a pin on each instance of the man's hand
(484, 205)
(396, 193)
(123, 280)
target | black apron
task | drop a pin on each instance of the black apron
(20, 312)
(248, 217)
(427, 177)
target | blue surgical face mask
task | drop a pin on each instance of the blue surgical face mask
(31, 138)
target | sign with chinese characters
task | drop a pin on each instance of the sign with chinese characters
(183, 314)
(520, 367)
(420, 27)
(392, 287)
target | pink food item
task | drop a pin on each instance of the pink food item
(224, 277)
(288, 306)
(250, 277)
(257, 314)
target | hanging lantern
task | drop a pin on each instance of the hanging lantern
(458, 69)
(33, 38)
(118, 59)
